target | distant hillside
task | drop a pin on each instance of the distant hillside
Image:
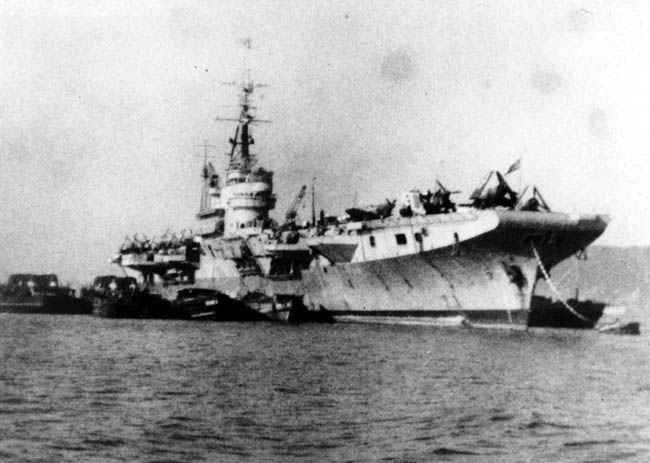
(618, 276)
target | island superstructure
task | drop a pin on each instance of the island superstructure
(426, 262)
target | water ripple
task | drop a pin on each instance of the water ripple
(89, 389)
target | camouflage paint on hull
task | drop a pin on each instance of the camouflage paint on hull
(481, 285)
(486, 280)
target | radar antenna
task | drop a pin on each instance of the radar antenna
(240, 155)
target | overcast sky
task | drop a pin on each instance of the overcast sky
(104, 108)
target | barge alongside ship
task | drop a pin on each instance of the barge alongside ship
(427, 262)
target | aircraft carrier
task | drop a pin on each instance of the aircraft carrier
(427, 261)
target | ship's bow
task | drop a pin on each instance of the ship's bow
(553, 236)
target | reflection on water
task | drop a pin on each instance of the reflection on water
(78, 388)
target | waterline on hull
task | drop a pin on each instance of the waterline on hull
(501, 319)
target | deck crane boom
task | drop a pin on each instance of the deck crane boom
(292, 211)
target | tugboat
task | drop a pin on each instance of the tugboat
(424, 261)
(40, 293)
(548, 313)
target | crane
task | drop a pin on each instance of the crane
(292, 211)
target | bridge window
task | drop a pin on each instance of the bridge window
(372, 241)
(400, 238)
(418, 238)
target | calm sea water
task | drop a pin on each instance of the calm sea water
(79, 388)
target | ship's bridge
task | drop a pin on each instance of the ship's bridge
(248, 197)
(235, 177)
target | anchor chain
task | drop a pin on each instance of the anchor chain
(547, 278)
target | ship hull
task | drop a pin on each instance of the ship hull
(448, 286)
(485, 278)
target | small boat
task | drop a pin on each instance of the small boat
(283, 307)
(633, 328)
(121, 297)
(613, 322)
(40, 293)
(209, 304)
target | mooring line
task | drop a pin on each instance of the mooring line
(554, 289)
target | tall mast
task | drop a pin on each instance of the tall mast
(247, 194)
(240, 155)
